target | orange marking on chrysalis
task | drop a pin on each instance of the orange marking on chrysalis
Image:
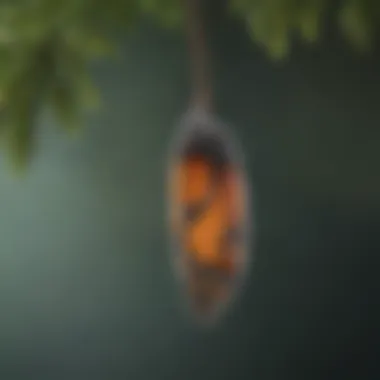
(196, 179)
(202, 238)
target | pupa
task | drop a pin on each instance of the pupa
(207, 197)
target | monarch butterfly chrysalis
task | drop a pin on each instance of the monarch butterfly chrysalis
(208, 203)
(208, 217)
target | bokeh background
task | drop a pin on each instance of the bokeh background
(86, 289)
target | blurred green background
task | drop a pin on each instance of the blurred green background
(86, 288)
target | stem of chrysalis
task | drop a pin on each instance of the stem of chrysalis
(199, 57)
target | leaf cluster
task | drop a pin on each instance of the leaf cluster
(46, 47)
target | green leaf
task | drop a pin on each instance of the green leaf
(65, 106)
(20, 138)
(309, 19)
(356, 24)
(88, 93)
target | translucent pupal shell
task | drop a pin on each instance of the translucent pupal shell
(209, 219)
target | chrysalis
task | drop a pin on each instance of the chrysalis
(207, 199)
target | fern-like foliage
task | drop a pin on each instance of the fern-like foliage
(46, 47)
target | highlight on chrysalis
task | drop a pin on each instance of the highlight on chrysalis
(208, 215)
